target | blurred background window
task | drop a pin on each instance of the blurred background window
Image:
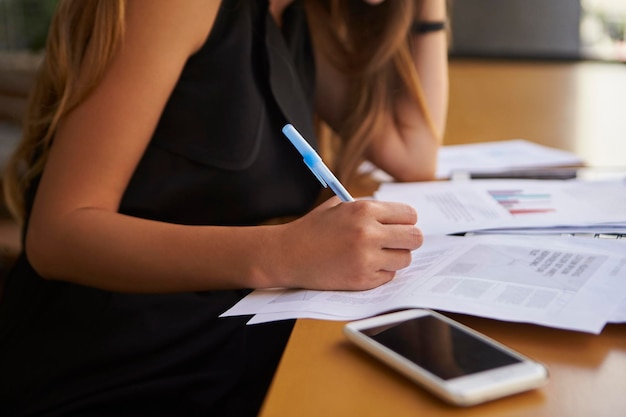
(602, 29)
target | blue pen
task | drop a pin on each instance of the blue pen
(315, 163)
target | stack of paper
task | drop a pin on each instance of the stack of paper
(501, 156)
(507, 158)
(513, 262)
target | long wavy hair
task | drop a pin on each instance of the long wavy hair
(372, 47)
(370, 44)
(82, 39)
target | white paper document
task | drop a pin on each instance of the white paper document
(568, 283)
(447, 207)
(492, 157)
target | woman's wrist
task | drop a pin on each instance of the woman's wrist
(433, 11)
(420, 27)
(432, 18)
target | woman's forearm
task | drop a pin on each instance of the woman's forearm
(430, 53)
(111, 251)
(336, 246)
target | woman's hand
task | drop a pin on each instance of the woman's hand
(347, 246)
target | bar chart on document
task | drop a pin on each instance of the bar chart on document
(520, 202)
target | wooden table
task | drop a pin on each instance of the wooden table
(322, 375)
(573, 106)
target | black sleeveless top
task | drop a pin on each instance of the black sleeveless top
(217, 157)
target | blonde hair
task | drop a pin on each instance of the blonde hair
(83, 37)
(372, 46)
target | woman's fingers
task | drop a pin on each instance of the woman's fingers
(396, 213)
(399, 236)
(395, 259)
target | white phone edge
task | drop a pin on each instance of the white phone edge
(463, 391)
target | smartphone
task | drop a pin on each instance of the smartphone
(456, 363)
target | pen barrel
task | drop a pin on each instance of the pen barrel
(332, 181)
(315, 163)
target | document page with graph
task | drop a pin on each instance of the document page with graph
(449, 207)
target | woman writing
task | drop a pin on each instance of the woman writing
(151, 165)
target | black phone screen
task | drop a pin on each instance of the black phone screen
(440, 348)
